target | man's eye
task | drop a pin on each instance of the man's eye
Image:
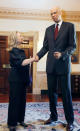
(53, 13)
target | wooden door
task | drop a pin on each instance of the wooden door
(4, 62)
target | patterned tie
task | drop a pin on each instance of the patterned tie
(56, 32)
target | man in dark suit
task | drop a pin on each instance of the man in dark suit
(60, 43)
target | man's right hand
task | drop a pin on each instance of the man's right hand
(57, 55)
(36, 58)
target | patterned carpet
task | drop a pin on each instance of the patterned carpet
(36, 113)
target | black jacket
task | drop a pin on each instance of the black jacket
(64, 43)
(18, 73)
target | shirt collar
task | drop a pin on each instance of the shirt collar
(59, 23)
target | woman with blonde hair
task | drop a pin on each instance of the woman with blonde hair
(18, 81)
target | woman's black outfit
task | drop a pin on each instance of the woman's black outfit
(18, 80)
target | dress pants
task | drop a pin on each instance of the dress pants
(17, 103)
(64, 82)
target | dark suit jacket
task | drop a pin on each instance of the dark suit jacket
(18, 73)
(64, 43)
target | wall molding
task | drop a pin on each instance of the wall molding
(17, 13)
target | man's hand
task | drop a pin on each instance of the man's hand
(36, 58)
(57, 55)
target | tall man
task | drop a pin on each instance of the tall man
(60, 43)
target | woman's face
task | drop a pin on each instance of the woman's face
(19, 38)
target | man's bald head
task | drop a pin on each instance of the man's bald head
(56, 14)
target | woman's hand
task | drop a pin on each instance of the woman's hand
(28, 61)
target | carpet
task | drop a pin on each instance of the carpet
(36, 113)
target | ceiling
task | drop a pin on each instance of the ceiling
(67, 5)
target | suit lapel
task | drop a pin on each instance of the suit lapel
(52, 31)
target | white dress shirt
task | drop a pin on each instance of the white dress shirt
(59, 24)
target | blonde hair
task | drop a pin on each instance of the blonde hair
(12, 40)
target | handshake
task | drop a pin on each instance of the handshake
(35, 59)
(57, 55)
(30, 60)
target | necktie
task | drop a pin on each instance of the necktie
(56, 32)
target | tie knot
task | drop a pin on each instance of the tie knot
(57, 25)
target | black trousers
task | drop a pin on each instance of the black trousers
(17, 103)
(65, 84)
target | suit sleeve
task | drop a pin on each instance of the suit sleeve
(72, 43)
(45, 48)
(16, 58)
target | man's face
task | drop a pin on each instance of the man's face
(56, 15)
